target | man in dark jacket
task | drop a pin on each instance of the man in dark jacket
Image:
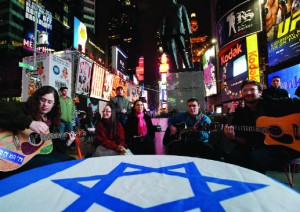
(275, 91)
(122, 105)
(249, 125)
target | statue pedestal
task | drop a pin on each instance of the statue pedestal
(182, 86)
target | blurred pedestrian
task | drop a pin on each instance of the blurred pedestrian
(67, 110)
(122, 105)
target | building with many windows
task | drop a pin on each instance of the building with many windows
(17, 24)
(122, 30)
(89, 8)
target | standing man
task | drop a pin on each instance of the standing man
(250, 150)
(175, 26)
(90, 115)
(122, 105)
(194, 142)
(67, 110)
(275, 91)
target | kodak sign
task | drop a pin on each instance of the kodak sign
(234, 51)
(252, 57)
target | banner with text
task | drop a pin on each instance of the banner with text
(97, 81)
(283, 32)
(242, 20)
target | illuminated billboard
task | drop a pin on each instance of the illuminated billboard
(119, 60)
(241, 21)
(283, 32)
(233, 69)
(290, 79)
(209, 71)
(97, 81)
(239, 66)
(84, 42)
(44, 25)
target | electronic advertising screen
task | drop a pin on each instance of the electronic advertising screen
(283, 35)
(44, 26)
(119, 60)
(290, 79)
(80, 35)
(239, 65)
(209, 71)
(84, 42)
(233, 60)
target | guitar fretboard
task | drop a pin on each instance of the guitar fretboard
(251, 129)
(53, 136)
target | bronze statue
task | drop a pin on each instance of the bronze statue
(175, 26)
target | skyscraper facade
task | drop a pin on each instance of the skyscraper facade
(122, 30)
(89, 9)
(17, 18)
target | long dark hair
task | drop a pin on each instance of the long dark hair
(33, 105)
(133, 107)
(113, 121)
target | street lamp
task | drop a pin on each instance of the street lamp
(35, 36)
(41, 38)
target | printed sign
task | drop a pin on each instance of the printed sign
(51, 70)
(242, 20)
(83, 78)
(97, 81)
(282, 26)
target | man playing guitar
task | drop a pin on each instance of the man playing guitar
(192, 142)
(251, 151)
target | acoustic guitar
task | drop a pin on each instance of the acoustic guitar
(182, 132)
(17, 148)
(277, 130)
(283, 130)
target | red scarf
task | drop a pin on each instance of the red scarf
(142, 126)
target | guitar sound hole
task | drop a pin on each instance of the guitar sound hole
(34, 138)
(275, 131)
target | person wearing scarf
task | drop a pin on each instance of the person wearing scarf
(139, 131)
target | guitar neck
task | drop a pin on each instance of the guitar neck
(251, 129)
(189, 129)
(53, 136)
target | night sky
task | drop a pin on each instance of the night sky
(151, 12)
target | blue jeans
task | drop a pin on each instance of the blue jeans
(66, 127)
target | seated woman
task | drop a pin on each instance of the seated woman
(139, 131)
(109, 134)
(41, 114)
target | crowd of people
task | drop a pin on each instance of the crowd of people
(123, 129)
